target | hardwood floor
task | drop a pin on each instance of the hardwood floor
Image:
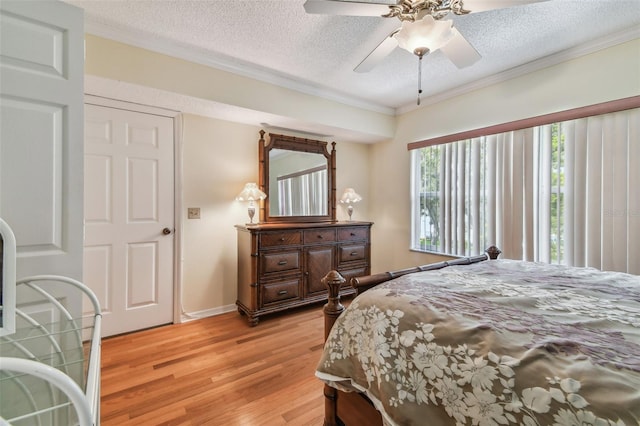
(216, 371)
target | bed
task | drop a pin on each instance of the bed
(475, 342)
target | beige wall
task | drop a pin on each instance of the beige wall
(606, 75)
(352, 171)
(220, 156)
(610, 74)
(122, 62)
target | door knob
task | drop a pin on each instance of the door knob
(166, 231)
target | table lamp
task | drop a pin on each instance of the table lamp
(251, 193)
(349, 196)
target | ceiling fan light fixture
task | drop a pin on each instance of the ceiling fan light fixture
(425, 35)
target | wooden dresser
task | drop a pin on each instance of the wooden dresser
(280, 265)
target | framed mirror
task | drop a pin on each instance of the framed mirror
(298, 175)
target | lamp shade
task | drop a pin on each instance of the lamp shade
(425, 35)
(251, 192)
(350, 196)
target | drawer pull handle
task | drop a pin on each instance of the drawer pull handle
(282, 292)
(354, 253)
(319, 236)
(282, 239)
(282, 262)
(353, 234)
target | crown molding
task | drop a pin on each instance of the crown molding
(225, 63)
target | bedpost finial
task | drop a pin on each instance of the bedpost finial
(332, 310)
(493, 252)
(333, 280)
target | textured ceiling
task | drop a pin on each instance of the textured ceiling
(278, 42)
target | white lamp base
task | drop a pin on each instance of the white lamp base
(252, 211)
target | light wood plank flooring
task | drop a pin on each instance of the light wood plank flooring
(216, 371)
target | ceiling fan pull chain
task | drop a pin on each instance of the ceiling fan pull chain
(419, 77)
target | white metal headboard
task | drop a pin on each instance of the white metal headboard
(8, 277)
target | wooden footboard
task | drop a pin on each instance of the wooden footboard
(342, 408)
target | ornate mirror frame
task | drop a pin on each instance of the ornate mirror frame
(292, 143)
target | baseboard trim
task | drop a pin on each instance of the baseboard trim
(191, 316)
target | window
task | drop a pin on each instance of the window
(566, 192)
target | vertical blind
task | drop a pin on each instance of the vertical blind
(565, 192)
(303, 193)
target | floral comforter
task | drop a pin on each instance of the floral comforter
(494, 343)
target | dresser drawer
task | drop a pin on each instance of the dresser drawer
(352, 253)
(353, 234)
(279, 262)
(283, 238)
(312, 236)
(279, 291)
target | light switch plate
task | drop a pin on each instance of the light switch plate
(193, 213)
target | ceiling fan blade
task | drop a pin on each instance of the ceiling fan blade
(482, 5)
(378, 54)
(349, 8)
(460, 51)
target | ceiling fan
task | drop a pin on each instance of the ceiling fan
(423, 28)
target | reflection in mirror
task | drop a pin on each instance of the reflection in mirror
(298, 183)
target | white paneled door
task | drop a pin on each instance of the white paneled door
(41, 83)
(129, 216)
